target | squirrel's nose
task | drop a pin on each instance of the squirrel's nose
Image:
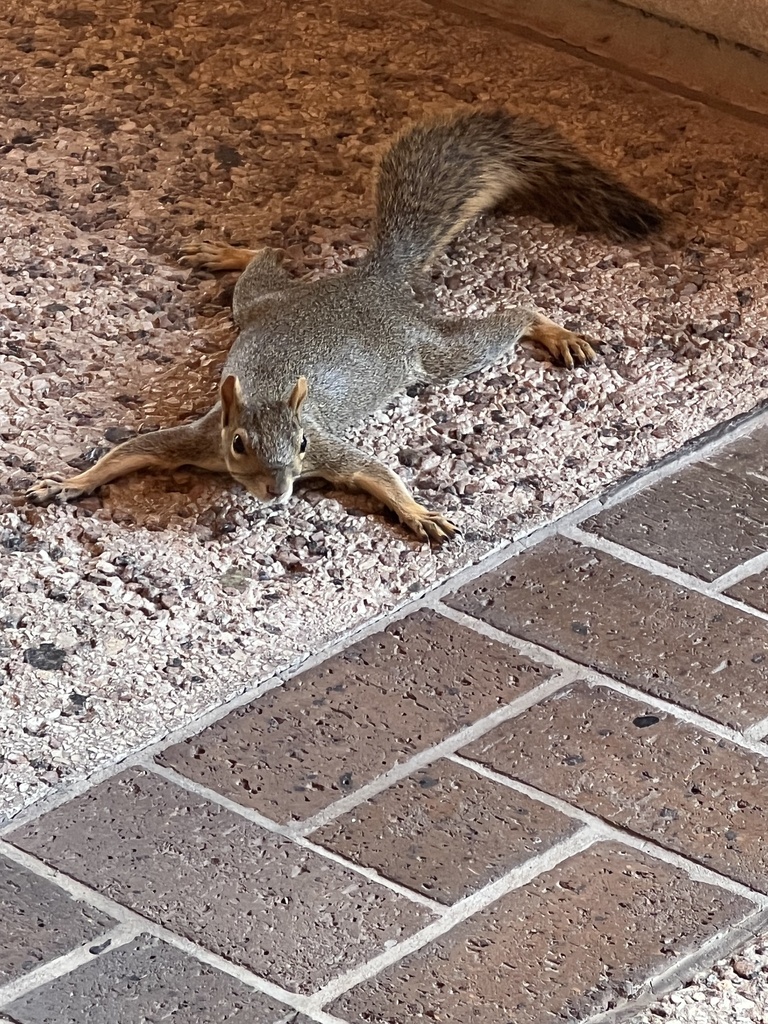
(280, 485)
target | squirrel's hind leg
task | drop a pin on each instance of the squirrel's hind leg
(461, 346)
(262, 271)
(465, 345)
(264, 274)
(194, 444)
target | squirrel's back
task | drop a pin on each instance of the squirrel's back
(439, 175)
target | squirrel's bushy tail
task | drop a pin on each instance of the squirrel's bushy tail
(440, 175)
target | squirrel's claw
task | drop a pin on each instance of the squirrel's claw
(429, 526)
(53, 488)
(582, 348)
(214, 256)
(563, 345)
(46, 490)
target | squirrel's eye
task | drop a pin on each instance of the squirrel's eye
(238, 445)
(303, 445)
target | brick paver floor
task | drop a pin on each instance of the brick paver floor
(540, 795)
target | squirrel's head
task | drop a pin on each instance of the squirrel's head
(263, 444)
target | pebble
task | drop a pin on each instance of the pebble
(734, 991)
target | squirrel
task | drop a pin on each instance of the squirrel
(313, 358)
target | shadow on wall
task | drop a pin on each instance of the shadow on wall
(739, 21)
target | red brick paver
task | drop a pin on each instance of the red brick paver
(635, 626)
(541, 798)
(197, 868)
(706, 520)
(565, 945)
(647, 771)
(753, 590)
(337, 727)
(146, 980)
(445, 831)
(39, 921)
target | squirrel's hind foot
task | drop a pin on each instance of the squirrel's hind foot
(215, 256)
(564, 346)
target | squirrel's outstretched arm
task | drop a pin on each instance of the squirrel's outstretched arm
(341, 463)
(194, 444)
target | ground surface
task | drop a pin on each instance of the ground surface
(143, 607)
(135, 615)
(539, 796)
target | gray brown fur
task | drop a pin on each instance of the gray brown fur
(314, 358)
(461, 166)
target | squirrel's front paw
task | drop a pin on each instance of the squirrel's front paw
(52, 489)
(428, 525)
(200, 255)
(578, 348)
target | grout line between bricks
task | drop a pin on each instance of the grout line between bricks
(542, 655)
(698, 449)
(286, 832)
(67, 962)
(571, 671)
(725, 943)
(457, 914)
(751, 567)
(604, 830)
(758, 732)
(426, 757)
(127, 917)
(677, 576)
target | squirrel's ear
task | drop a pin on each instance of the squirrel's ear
(231, 401)
(298, 395)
